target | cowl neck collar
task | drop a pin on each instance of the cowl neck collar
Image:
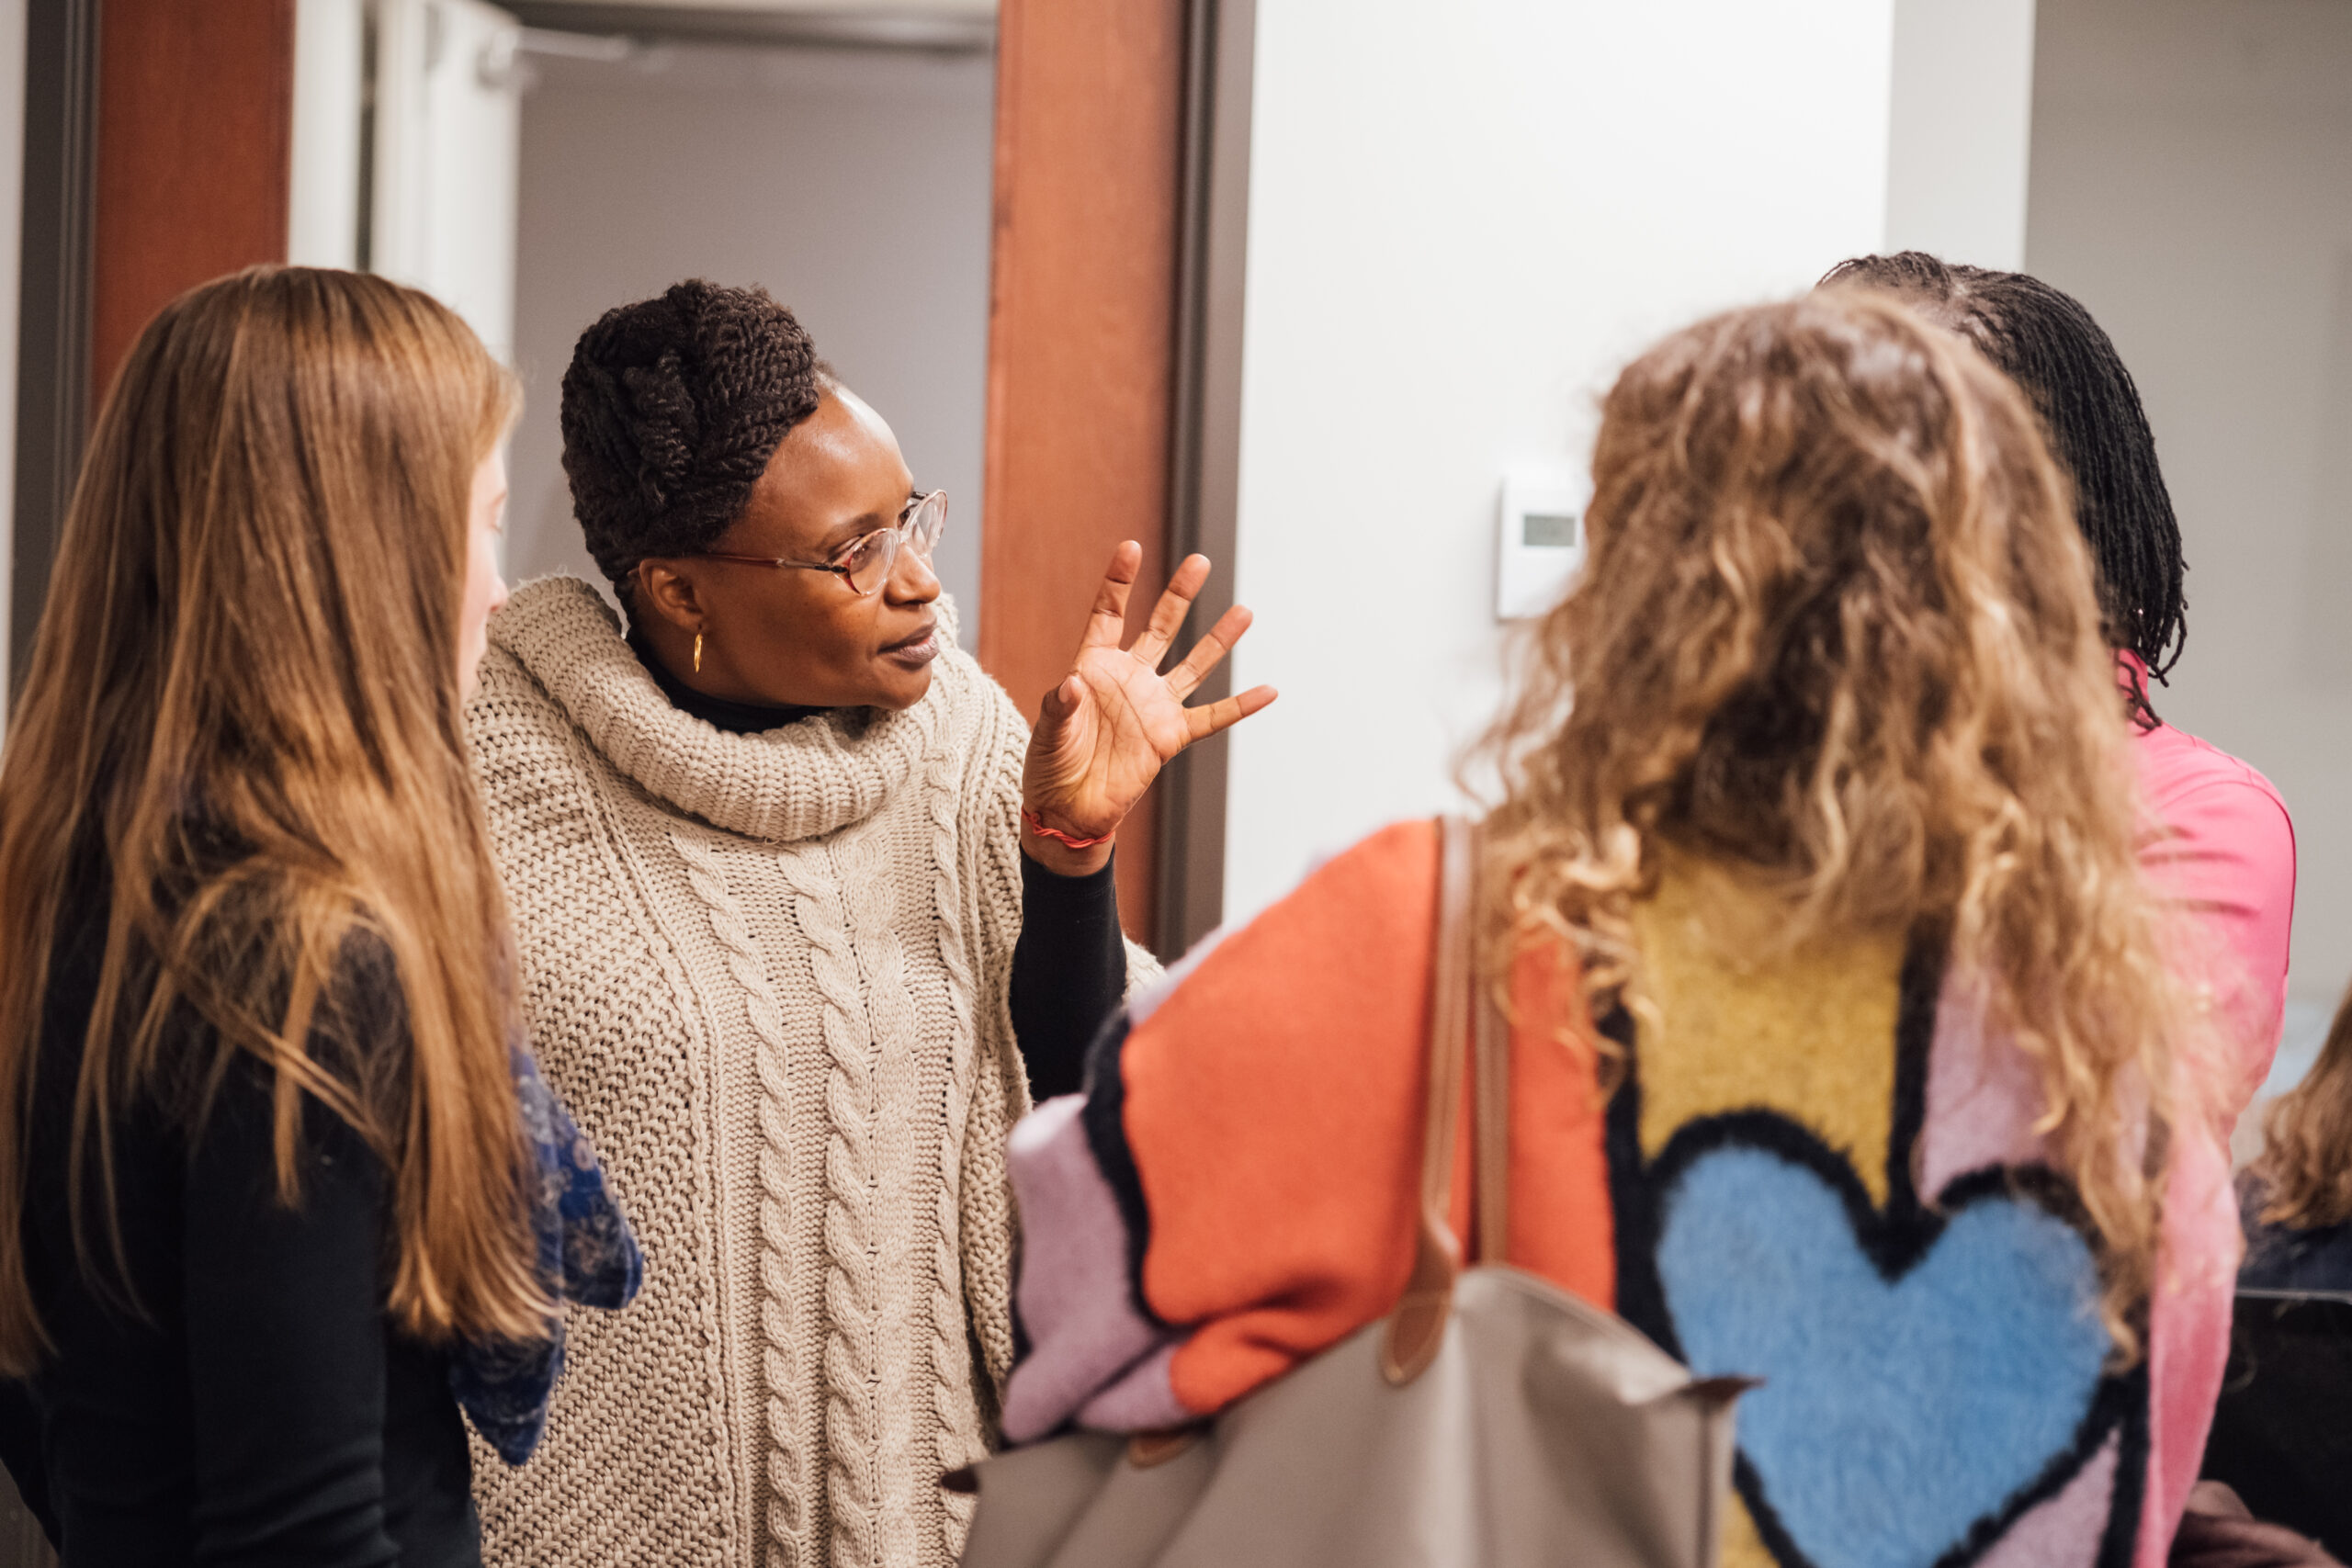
(824, 773)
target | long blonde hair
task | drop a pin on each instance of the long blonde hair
(1836, 630)
(244, 700)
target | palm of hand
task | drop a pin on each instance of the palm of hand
(1114, 721)
(1125, 727)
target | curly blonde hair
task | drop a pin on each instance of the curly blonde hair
(1837, 632)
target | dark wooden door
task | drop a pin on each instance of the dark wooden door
(158, 153)
(1081, 340)
(194, 144)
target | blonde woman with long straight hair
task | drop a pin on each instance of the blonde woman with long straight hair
(1842, 1044)
(275, 1179)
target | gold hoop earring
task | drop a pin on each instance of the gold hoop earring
(697, 653)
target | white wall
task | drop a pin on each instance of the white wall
(1461, 221)
(445, 128)
(1959, 130)
(330, 56)
(2192, 185)
(854, 185)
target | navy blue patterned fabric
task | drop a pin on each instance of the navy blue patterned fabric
(586, 1255)
(2284, 1258)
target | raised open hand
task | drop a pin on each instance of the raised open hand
(1105, 732)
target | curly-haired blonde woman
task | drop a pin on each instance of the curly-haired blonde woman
(1842, 1041)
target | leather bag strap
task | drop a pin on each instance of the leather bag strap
(1490, 1079)
(1416, 1328)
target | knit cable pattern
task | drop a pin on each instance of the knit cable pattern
(853, 1302)
(989, 825)
(818, 923)
(903, 1482)
(959, 1440)
(790, 783)
(633, 1468)
(706, 873)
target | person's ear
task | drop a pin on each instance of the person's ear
(671, 594)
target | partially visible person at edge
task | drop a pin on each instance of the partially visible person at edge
(1842, 1017)
(276, 1178)
(2220, 844)
(800, 898)
(2298, 1194)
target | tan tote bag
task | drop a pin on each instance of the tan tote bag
(1491, 1419)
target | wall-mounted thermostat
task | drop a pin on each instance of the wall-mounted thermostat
(1539, 542)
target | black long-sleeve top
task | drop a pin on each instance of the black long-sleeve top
(1069, 964)
(2285, 1258)
(257, 1406)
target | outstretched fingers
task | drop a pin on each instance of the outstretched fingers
(1209, 652)
(1168, 615)
(1209, 718)
(1106, 624)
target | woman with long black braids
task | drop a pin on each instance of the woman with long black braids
(2220, 845)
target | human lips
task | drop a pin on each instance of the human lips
(916, 649)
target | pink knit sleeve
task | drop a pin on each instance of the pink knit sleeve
(2188, 1330)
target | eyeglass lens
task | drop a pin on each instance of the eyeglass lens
(871, 558)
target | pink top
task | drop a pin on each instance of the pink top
(2222, 844)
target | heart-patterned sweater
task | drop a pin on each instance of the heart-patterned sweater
(1816, 1169)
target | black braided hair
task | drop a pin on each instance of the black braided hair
(672, 409)
(2090, 409)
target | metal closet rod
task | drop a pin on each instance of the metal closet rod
(582, 28)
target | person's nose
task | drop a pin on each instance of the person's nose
(912, 581)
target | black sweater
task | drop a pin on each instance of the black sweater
(2282, 1257)
(1069, 964)
(258, 1407)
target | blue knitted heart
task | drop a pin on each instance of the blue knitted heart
(1895, 1413)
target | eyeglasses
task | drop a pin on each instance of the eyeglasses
(865, 561)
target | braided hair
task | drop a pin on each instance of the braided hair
(672, 408)
(2049, 346)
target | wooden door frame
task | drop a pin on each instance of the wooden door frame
(109, 237)
(1204, 477)
(1114, 354)
(195, 156)
(52, 299)
(158, 149)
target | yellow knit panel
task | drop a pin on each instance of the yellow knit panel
(1809, 1034)
(1743, 1546)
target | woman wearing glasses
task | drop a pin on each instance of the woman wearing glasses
(806, 914)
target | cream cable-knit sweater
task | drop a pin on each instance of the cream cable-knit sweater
(769, 974)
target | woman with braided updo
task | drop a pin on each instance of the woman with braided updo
(2221, 846)
(806, 913)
